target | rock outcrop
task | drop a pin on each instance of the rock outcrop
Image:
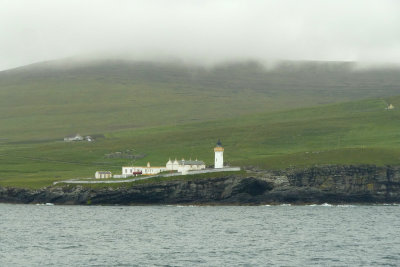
(332, 184)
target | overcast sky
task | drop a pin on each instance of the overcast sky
(199, 30)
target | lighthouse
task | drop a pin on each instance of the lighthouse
(219, 156)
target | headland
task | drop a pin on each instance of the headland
(362, 184)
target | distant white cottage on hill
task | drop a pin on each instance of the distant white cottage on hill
(390, 107)
(78, 137)
(71, 138)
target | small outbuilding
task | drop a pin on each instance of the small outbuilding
(103, 174)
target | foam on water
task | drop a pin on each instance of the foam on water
(331, 205)
(45, 204)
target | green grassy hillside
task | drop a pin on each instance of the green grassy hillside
(357, 132)
(50, 100)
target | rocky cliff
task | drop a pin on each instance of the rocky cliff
(332, 184)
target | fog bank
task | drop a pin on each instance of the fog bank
(204, 32)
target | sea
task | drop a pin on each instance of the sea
(284, 235)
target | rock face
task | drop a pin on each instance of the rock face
(332, 184)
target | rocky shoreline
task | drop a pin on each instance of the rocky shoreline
(365, 184)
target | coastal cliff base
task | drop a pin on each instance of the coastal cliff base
(326, 184)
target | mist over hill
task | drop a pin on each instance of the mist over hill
(52, 99)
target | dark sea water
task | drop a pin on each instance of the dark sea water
(32, 235)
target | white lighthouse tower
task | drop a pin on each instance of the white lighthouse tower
(219, 156)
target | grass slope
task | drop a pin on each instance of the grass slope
(50, 100)
(358, 132)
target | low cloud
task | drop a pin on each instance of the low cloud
(200, 31)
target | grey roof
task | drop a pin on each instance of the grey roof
(190, 162)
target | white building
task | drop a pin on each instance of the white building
(140, 170)
(219, 156)
(185, 165)
(102, 174)
(75, 137)
(178, 165)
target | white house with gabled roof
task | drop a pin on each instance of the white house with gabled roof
(185, 165)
